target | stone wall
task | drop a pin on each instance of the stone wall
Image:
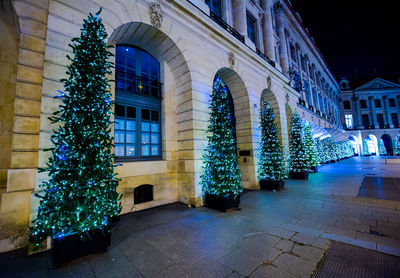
(191, 49)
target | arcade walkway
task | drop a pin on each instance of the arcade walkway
(275, 234)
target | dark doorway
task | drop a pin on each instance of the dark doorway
(387, 141)
(143, 193)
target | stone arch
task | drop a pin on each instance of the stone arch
(243, 124)
(176, 90)
(372, 142)
(268, 96)
(289, 114)
(355, 144)
(388, 143)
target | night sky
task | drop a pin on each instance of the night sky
(356, 38)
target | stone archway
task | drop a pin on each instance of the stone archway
(289, 114)
(268, 96)
(388, 143)
(244, 138)
(372, 143)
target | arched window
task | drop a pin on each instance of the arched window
(138, 105)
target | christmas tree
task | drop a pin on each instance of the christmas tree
(271, 163)
(366, 148)
(310, 148)
(80, 195)
(381, 148)
(221, 175)
(396, 147)
(298, 160)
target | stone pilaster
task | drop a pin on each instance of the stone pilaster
(267, 30)
(283, 52)
(387, 112)
(373, 111)
(356, 104)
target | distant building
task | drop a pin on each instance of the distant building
(370, 112)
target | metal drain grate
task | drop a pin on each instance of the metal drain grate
(348, 261)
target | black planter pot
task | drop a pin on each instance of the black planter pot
(332, 161)
(71, 247)
(299, 175)
(272, 184)
(314, 169)
(221, 203)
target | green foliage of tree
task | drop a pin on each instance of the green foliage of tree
(396, 147)
(366, 148)
(80, 194)
(381, 147)
(310, 147)
(271, 162)
(298, 160)
(221, 174)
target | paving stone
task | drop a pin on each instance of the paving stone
(235, 275)
(351, 241)
(319, 242)
(279, 232)
(284, 245)
(388, 250)
(303, 230)
(183, 255)
(379, 239)
(339, 231)
(208, 268)
(244, 265)
(269, 271)
(258, 248)
(295, 265)
(151, 261)
(308, 253)
(173, 271)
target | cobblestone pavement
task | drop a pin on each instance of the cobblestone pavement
(275, 234)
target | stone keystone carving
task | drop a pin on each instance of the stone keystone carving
(231, 59)
(156, 16)
(269, 82)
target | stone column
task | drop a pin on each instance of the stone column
(268, 30)
(387, 112)
(283, 53)
(373, 111)
(201, 4)
(357, 117)
(239, 16)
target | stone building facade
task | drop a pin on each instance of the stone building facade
(259, 48)
(370, 112)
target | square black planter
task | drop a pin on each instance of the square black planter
(221, 203)
(299, 175)
(71, 247)
(314, 169)
(272, 184)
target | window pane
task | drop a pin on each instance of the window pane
(154, 91)
(131, 137)
(119, 150)
(130, 112)
(155, 150)
(145, 114)
(155, 138)
(145, 127)
(154, 116)
(145, 65)
(130, 150)
(145, 138)
(119, 124)
(155, 127)
(119, 110)
(119, 136)
(153, 69)
(130, 125)
(145, 150)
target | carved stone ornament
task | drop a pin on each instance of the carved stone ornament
(231, 59)
(156, 16)
(269, 82)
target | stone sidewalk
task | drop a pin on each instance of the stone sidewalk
(275, 234)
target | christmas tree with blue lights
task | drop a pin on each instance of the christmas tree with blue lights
(366, 148)
(381, 147)
(271, 163)
(221, 176)
(298, 159)
(80, 195)
(310, 147)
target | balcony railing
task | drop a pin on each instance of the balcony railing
(262, 55)
(226, 26)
